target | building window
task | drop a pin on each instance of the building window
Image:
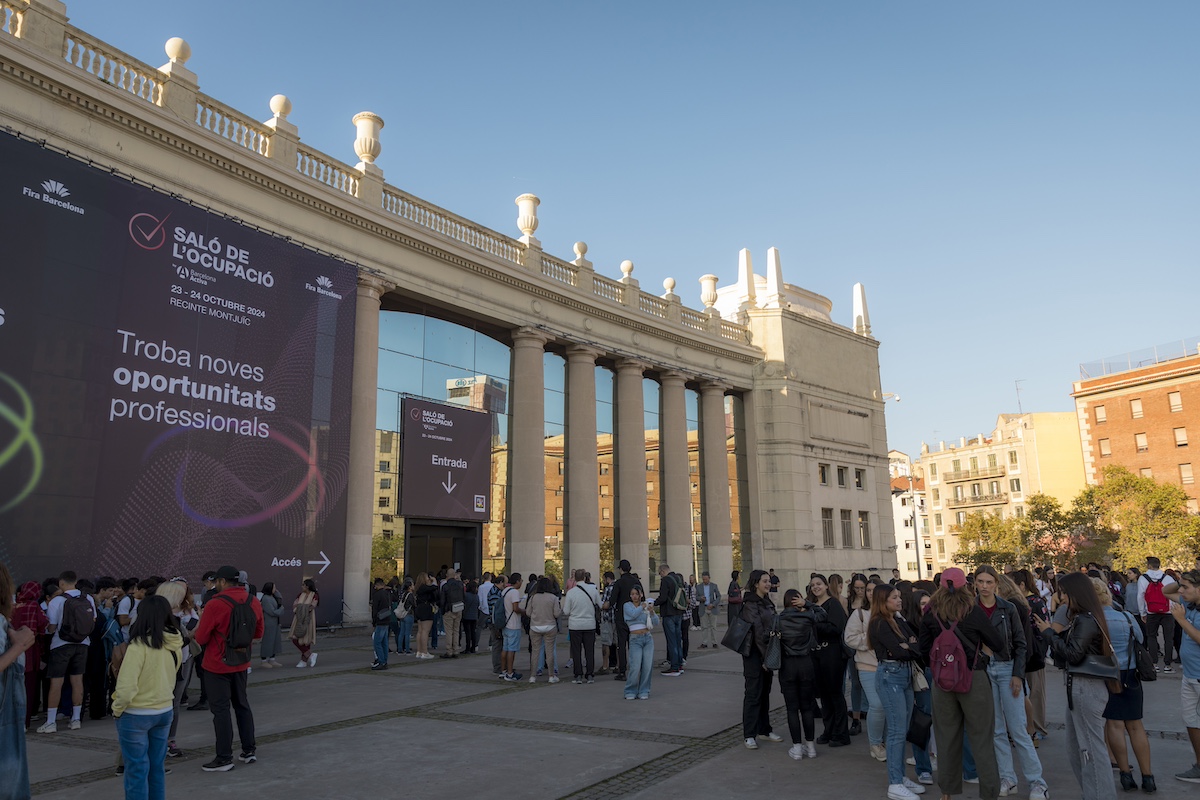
(1101, 415)
(937, 521)
(558, 513)
(1014, 485)
(974, 462)
(933, 472)
(912, 566)
(604, 490)
(841, 475)
(604, 469)
(847, 529)
(606, 513)
(976, 490)
(1185, 474)
(693, 468)
(650, 465)
(827, 527)
(958, 492)
(385, 466)
(1181, 437)
(649, 487)
(903, 502)
(994, 487)
(385, 483)
(1020, 511)
(1105, 448)
(385, 502)
(388, 533)
(386, 518)
(960, 518)
(1193, 506)
(860, 479)
(956, 465)
(992, 462)
(695, 488)
(1135, 408)
(1146, 472)
(864, 529)
(908, 522)
(823, 474)
(941, 548)
(1175, 399)
(1140, 440)
(1012, 458)
(937, 496)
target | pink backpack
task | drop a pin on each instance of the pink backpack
(948, 661)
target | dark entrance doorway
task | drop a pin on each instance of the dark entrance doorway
(428, 544)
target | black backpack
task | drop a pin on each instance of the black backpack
(240, 635)
(78, 619)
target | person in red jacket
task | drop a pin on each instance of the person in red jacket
(225, 678)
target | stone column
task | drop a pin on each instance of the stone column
(360, 488)
(674, 481)
(583, 472)
(714, 482)
(527, 455)
(632, 531)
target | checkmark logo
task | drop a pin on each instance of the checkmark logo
(147, 232)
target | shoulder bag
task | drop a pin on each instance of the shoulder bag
(1142, 663)
(737, 634)
(774, 658)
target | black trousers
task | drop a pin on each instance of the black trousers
(199, 661)
(226, 689)
(756, 704)
(1166, 622)
(94, 683)
(798, 683)
(684, 627)
(830, 666)
(622, 645)
(496, 638)
(470, 634)
(583, 644)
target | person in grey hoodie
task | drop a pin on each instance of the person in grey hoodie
(580, 605)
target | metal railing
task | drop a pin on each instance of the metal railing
(968, 474)
(978, 500)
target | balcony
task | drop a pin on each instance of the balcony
(972, 474)
(979, 500)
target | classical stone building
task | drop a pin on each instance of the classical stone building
(666, 430)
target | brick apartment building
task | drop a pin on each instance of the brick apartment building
(1142, 411)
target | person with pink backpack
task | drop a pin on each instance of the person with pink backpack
(959, 638)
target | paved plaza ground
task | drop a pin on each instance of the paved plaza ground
(340, 730)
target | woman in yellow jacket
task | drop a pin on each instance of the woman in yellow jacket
(143, 696)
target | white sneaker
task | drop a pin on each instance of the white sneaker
(312, 659)
(773, 737)
(915, 788)
(898, 791)
(49, 727)
(74, 726)
(1039, 791)
(912, 762)
(1007, 787)
(971, 780)
(751, 743)
(554, 679)
(302, 664)
(810, 749)
(878, 752)
(925, 779)
(796, 751)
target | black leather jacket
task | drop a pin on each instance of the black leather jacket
(760, 613)
(1081, 639)
(1006, 619)
(799, 629)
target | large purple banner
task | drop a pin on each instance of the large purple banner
(174, 386)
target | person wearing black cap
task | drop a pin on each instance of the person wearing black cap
(210, 591)
(225, 668)
(620, 596)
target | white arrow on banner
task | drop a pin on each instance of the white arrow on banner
(325, 564)
(448, 484)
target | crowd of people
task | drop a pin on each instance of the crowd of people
(946, 676)
(958, 663)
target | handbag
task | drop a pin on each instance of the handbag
(919, 684)
(919, 726)
(737, 634)
(774, 657)
(456, 608)
(1142, 662)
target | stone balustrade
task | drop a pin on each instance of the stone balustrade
(174, 90)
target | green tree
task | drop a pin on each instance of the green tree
(384, 552)
(986, 538)
(1140, 517)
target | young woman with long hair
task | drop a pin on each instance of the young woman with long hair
(862, 672)
(970, 712)
(857, 600)
(798, 623)
(830, 658)
(1123, 712)
(143, 697)
(639, 618)
(1086, 635)
(304, 623)
(1035, 666)
(835, 589)
(426, 596)
(895, 644)
(272, 641)
(1006, 674)
(759, 611)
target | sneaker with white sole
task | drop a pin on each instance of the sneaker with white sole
(878, 752)
(773, 737)
(796, 751)
(751, 743)
(52, 727)
(925, 779)
(1191, 776)
(810, 750)
(898, 791)
(1007, 787)
(913, 786)
(301, 665)
(1039, 791)
(74, 725)
(912, 762)
(554, 679)
(312, 659)
(971, 780)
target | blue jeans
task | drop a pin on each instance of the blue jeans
(893, 681)
(433, 630)
(404, 640)
(858, 703)
(968, 766)
(1010, 722)
(875, 716)
(380, 640)
(673, 633)
(924, 701)
(143, 740)
(641, 666)
(13, 762)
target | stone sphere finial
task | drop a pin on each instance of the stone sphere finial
(669, 285)
(178, 50)
(627, 268)
(580, 249)
(281, 106)
(367, 145)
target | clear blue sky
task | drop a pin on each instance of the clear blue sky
(1016, 184)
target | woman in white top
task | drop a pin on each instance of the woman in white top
(543, 608)
(639, 617)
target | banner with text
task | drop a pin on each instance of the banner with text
(446, 464)
(174, 387)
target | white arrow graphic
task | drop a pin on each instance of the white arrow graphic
(448, 484)
(324, 564)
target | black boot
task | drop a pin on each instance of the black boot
(1127, 781)
(855, 727)
(1148, 784)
